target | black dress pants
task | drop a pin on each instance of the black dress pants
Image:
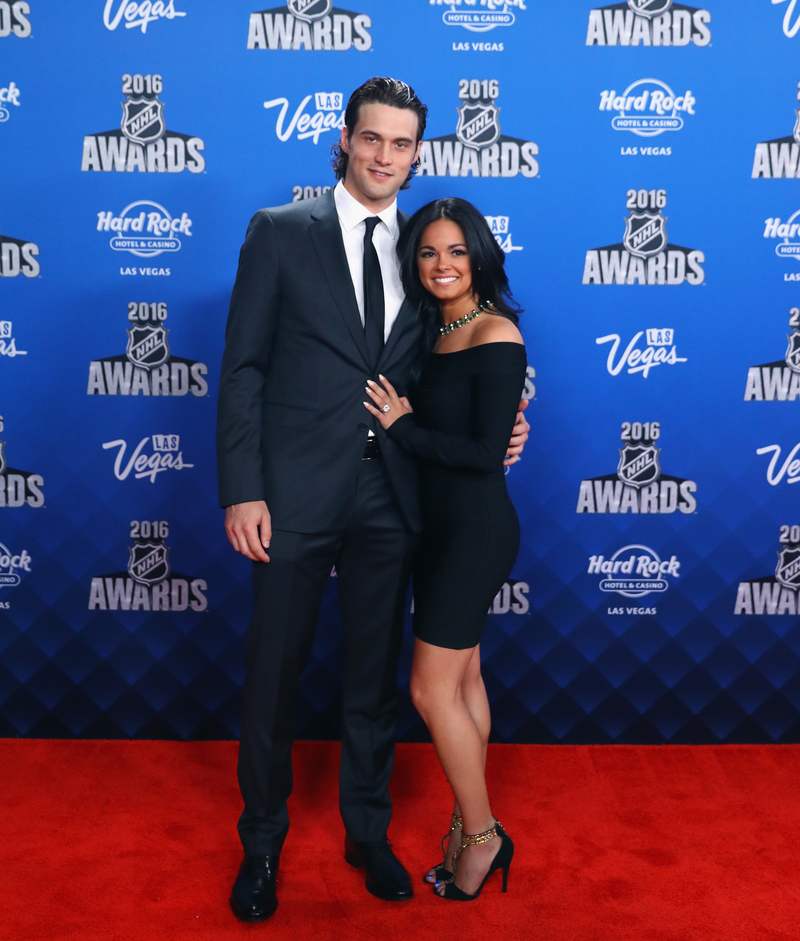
(371, 546)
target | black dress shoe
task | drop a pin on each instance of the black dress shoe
(253, 897)
(386, 876)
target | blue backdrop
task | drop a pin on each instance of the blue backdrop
(637, 163)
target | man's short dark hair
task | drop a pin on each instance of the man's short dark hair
(381, 91)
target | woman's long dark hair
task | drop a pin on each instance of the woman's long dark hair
(487, 263)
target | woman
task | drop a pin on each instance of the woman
(464, 405)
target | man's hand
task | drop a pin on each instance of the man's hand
(518, 437)
(249, 529)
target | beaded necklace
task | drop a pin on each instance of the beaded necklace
(467, 318)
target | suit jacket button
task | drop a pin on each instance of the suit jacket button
(362, 426)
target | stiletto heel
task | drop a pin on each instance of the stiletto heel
(440, 872)
(502, 860)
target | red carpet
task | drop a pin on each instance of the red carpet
(135, 841)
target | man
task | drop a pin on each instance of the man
(309, 480)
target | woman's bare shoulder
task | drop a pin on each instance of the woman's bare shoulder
(496, 329)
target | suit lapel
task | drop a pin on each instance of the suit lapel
(405, 316)
(326, 236)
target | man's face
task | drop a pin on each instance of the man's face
(380, 152)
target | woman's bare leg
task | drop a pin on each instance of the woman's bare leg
(440, 690)
(474, 695)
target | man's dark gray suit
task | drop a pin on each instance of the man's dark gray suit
(292, 431)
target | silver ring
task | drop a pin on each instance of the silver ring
(386, 407)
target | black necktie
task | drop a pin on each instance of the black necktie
(374, 304)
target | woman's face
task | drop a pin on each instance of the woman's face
(443, 259)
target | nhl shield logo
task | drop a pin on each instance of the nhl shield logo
(143, 120)
(148, 562)
(645, 233)
(793, 352)
(649, 8)
(788, 569)
(478, 125)
(309, 10)
(147, 346)
(3, 464)
(638, 465)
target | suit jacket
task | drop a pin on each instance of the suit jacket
(291, 427)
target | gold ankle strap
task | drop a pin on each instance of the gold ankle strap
(473, 839)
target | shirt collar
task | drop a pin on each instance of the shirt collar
(351, 212)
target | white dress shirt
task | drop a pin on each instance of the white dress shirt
(351, 220)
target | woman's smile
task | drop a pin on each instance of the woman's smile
(444, 264)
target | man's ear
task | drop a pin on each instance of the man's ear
(416, 154)
(344, 140)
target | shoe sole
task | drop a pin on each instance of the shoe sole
(252, 918)
(352, 861)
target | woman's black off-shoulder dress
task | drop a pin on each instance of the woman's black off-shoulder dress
(464, 411)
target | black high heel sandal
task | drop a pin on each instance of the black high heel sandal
(440, 872)
(502, 860)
